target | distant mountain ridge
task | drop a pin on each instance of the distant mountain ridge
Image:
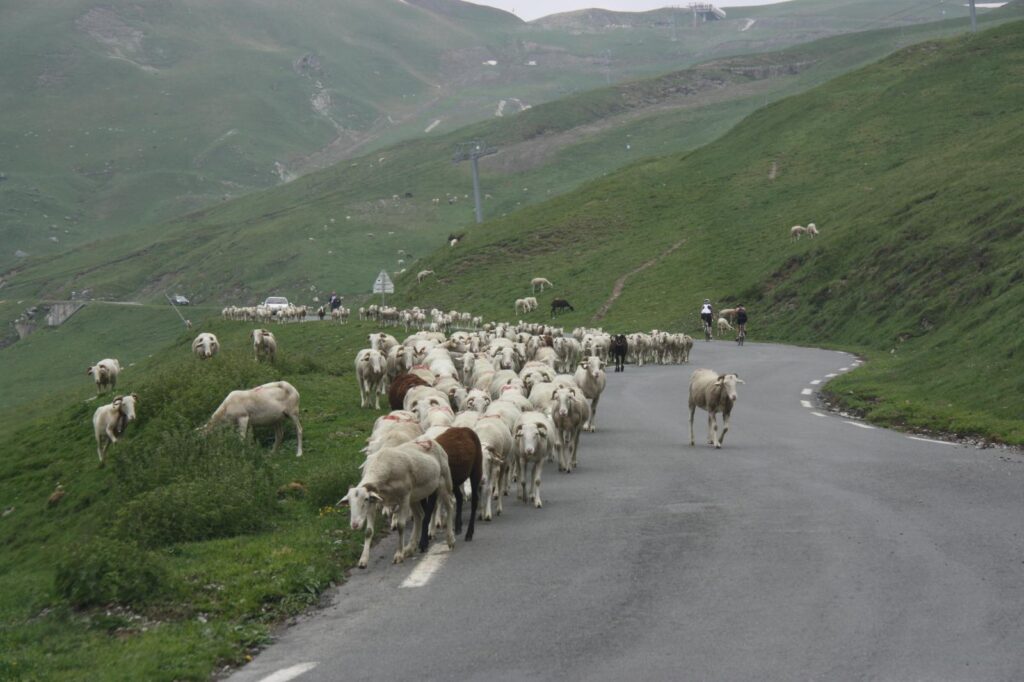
(128, 112)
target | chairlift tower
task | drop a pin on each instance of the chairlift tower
(472, 151)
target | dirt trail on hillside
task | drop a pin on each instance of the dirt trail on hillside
(620, 283)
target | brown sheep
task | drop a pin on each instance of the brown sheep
(466, 462)
(400, 386)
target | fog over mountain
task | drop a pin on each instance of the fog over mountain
(534, 9)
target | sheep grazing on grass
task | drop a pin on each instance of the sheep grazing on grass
(798, 231)
(205, 346)
(110, 421)
(264, 344)
(266, 405)
(723, 326)
(728, 313)
(104, 373)
(539, 282)
(714, 393)
(422, 275)
(397, 480)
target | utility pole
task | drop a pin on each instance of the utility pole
(472, 151)
(974, 19)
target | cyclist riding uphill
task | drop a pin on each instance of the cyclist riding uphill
(741, 318)
(707, 313)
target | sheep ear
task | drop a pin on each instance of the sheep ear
(740, 381)
(135, 396)
(343, 502)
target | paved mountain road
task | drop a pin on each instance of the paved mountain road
(807, 548)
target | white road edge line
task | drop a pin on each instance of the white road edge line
(806, 403)
(817, 414)
(806, 391)
(930, 440)
(815, 382)
(831, 375)
(427, 567)
(863, 426)
(291, 673)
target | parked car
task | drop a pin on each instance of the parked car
(275, 303)
(178, 299)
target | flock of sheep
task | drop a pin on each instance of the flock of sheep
(267, 405)
(473, 412)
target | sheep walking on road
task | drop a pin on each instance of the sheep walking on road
(110, 421)
(714, 393)
(397, 480)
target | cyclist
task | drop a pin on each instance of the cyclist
(707, 314)
(741, 321)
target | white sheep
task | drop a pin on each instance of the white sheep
(723, 325)
(569, 412)
(533, 436)
(264, 343)
(422, 275)
(496, 443)
(205, 346)
(714, 393)
(110, 421)
(104, 373)
(266, 405)
(371, 374)
(539, 282)
(590, 377)
(396, 480)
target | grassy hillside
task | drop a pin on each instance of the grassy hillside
(181, 554)
(339, 227)
(120, 113)
(912, 170)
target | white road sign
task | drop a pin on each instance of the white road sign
(383, 284)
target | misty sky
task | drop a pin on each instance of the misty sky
(531, 9)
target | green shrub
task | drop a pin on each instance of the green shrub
(189, 486)
(103, 571)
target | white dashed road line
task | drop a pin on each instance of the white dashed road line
(844, 369)
(806, 391)
(858, 424)
(806, 403)
(291, 673)
(930, 440)
(831, 375)
(817, 414)
(815, 382)
(428, 566)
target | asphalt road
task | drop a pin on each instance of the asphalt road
(808, 548)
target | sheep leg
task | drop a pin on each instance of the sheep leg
(428, 505)
(593, 413)
(522, 478)
(298, 432)
(693, 408)
(712, 428)
(417, 526)
(398, 523)
(538, 468)
(725, 427)
(243, 427)
(364, 558)
(474, 504)
(458, 509)
(575, 447)
(101, 450)
(362, 394)
(278, 435)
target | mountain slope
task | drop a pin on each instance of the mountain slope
(911, 168)
(339, 227)
(124, 113)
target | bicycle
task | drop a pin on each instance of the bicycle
(741, 336)
(707, 330)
